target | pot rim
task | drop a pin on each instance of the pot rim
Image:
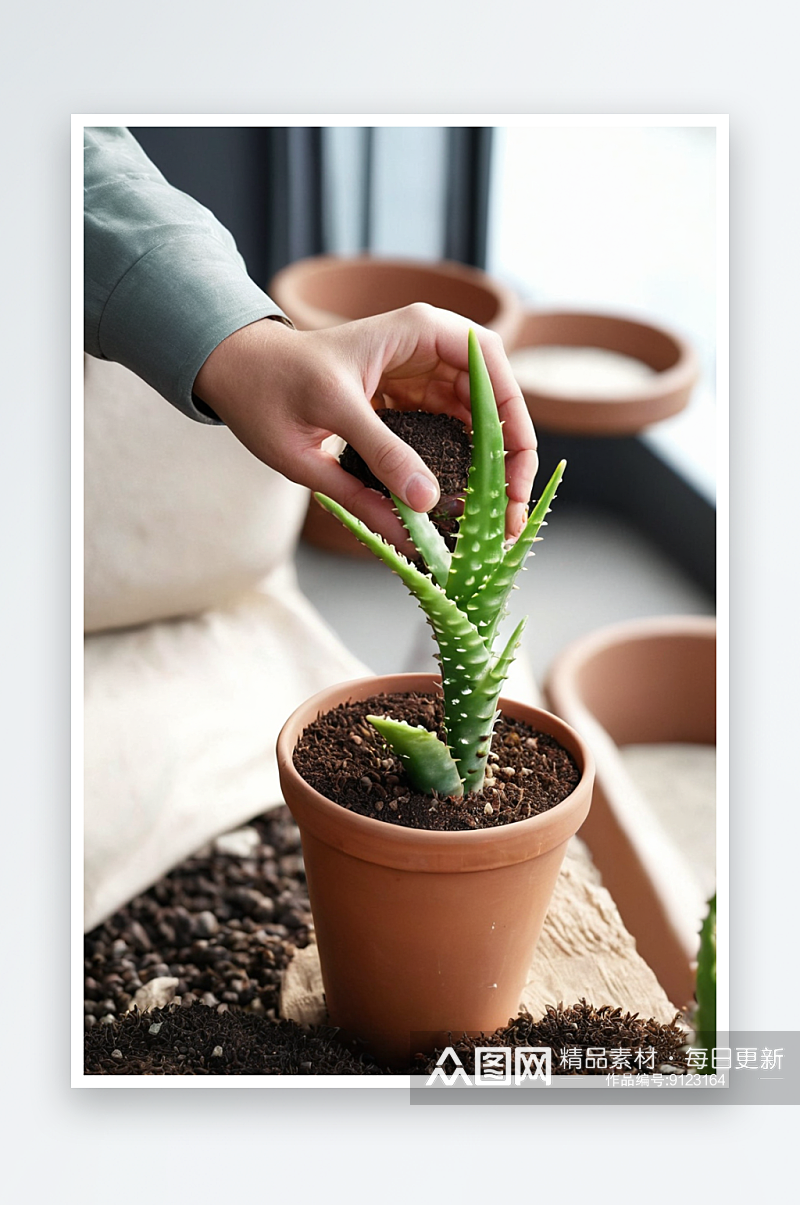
(423, 849)
(294, 276)
(666, 394)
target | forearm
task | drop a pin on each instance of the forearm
(164, 283)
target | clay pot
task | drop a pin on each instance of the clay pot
(326, 290)
(425, 933)
(642, 682)
(663, 394)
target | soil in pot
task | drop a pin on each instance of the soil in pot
(443, 443)
(344, 758)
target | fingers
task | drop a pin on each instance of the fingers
(449, 333)
(393, 462)
(323, 473)
(520, 471)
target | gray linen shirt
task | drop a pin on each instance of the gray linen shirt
(164, 283)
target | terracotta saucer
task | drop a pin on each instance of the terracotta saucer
(326, 290)
(663, 390)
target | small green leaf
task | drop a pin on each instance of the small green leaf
(427, 760)
(428, 542)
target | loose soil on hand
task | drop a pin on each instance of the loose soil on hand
(344, 758)
(225, 925)
(443, 443)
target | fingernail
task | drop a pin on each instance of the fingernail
(421, 492)
(517, 517)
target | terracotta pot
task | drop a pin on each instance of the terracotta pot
(665, 393)
(646, 681)
(421, 932)
(327, 290)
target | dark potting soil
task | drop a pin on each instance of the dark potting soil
(639, 1046)
(443, 443)
(344, 758)
(200, 1041)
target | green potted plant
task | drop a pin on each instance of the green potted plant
(430, 887)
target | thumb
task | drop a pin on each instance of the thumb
(393, 462)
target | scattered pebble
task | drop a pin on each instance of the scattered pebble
(241, 843)
(155, 994)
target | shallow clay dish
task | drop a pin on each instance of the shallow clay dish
(326, 290)
(663, 392)
(642, 682)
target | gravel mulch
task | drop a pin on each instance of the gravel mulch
(223, 924)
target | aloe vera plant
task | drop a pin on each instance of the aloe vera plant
(705, 1018)
(465, 598)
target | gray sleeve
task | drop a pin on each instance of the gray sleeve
(164, 283)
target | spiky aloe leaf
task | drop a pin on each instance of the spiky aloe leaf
(459, 640)
(705, 1020)
(427, 760)
(477, 725)
(462, 652)
(482, 526)
(477, 580)
(496, 674)
(428, 542)
(486, 608)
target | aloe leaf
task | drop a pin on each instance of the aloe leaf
(487, 608)
(496, 674)
(463, 655)
(457, 636)
(705, 1020)
(483, 714)
(481, 530)
(427, 760)
(428, 542)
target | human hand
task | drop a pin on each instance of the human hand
(283, 392)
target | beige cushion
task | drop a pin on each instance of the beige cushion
(181, 719)
(178, 515)
(189, 538)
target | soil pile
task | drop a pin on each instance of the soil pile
(345, 759)
(443, 443)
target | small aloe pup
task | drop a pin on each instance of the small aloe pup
(464, 599)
